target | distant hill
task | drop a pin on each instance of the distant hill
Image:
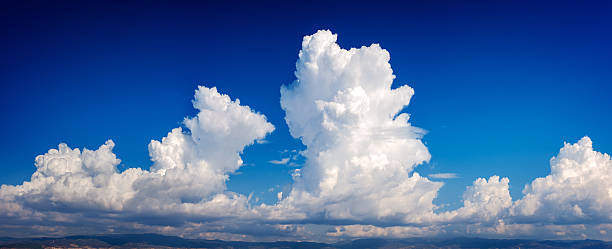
(162, 241)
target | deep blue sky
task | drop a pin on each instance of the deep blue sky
(499, 86)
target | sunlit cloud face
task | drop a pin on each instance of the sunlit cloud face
(358, 178)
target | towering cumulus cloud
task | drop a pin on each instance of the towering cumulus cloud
(360, 152)
(485, 200)
(578, 189)
(187, 178)
(192, 167)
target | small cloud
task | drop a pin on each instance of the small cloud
(296, 173)
(443, 176)
(282, 161)
(262, 141)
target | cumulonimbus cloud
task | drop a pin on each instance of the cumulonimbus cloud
(358, 179)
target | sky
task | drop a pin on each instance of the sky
(316, 148)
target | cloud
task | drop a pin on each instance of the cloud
(578, 189)
(443, 176)
(187, 177)
(262, 141)
(361, 151)
(484, 200)
(357, 179)
(282, 161)
(574, 201)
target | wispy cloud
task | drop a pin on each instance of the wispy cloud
(443, 176)
(280, 162)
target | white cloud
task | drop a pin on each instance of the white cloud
(574, 201)
(443, 176)
(282, 161)
(578, 189)
(484, 200)
(360, 152)
(262, 141)
(187, 178)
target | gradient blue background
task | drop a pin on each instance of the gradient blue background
(499, 86)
